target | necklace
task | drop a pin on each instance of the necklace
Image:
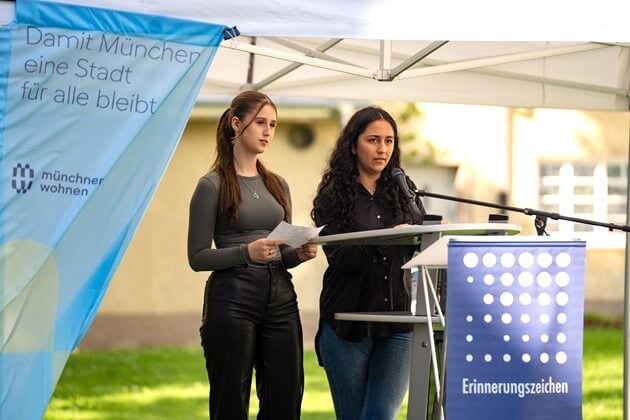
(254, 193)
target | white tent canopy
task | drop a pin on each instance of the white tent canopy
(560, 54)
(402, 44)
(482, 20)
(518, 74)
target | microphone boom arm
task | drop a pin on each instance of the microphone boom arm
(527, 211)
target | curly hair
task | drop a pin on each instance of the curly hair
(337, 190)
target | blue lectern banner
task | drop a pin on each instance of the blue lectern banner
(88, 122)
(514, 330)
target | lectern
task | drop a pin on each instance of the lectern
(515, 324)
(423, 321)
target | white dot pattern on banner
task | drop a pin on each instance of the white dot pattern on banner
(532, 271)
(562, 279)
(489, 260)
(471, 260)
(507, 260)
(507, 279)
(525, 299)
(563, 259)
(562, 298)
(545, 259)
(525, 279)
(561, 357)
(544, 279)
(526, 260)
(488, 279)
(544, 299)
(506, 298)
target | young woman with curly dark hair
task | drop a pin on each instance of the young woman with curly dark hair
(367, 364)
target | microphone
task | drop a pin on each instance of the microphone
(409, 196)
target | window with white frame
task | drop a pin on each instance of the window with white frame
(586, 190)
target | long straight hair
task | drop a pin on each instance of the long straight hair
(245, 104)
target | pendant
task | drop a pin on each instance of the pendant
(256, 196)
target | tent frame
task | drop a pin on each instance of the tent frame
(406, 70)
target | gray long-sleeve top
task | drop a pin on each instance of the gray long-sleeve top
(256, 219)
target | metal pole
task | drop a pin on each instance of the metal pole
(626, 301)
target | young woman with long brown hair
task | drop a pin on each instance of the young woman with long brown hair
(250, 312)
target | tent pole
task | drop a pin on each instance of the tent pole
(250, 68)
(503, 59)
(420, 55)
(315, 53)
(385, 60)
(282, 55)
(626, 301)
(288, 69)
(428, 62)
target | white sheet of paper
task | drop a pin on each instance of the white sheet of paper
(293, 235)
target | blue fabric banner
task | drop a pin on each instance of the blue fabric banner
(88, 123)
(514, 330)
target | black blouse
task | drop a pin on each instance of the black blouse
(362, 278)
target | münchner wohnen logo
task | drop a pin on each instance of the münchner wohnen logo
(22, 180)
(54, 182)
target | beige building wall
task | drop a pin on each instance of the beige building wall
(547, 135)
(499, 150)
(155, 298)
(475, 140)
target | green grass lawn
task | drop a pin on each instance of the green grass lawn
(170, 383)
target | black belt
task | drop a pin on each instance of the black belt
(276, 265)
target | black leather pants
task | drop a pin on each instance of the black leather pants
(251, 318)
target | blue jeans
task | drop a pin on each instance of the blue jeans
(368, 379)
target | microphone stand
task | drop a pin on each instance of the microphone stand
(540, 222)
